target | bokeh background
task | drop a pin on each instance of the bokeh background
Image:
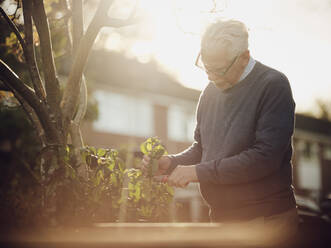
(142, 82)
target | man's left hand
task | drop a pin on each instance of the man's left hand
(182, 176)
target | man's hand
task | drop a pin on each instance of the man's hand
(182, 176)
(163, 163)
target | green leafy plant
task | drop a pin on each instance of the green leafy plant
(146, 199)
(154, 149)
(108, 190)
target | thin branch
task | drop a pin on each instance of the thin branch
(100, 19)
(51, 82)
(33, 118)
(71, 92)
(13, 82)
(75, 132)
(14, 29)
(27, 49)
(78, 32)
(66, 19)
(4, 87)
(74, 129)
(30, 52)
(77, 23)
(82, 102)
(17, 7)
(7, 75)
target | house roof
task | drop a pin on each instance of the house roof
(119, 71)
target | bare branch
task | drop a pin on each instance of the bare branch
(30, 52)
(51, 82)
(82, 102)
(4, 87)
(100, 19)
(68, 14)
(7, 75)
(13, 82)
(77, 141)
(75, 132)
(71, 92)
(78, 23)
(33, 118)
(13, 28)
(74, 129)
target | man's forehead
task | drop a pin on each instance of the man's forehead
(217, 57)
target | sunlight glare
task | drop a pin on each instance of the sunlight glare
(283, 36)
(113, 42)
(142, 50)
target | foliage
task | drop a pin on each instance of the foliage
(154, 149)
(20, 190)
(108, 188)
(146, 198)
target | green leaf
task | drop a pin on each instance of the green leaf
(120, 164)
(143, 148)
(111, 165)
(131, 186)
(93, 150)
(137, 193)
(113, 179)
(84, 152)
(101, 152)
(99, 177)
(113, 154)
(149, 147)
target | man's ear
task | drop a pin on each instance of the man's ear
(246, 54)
(244, 58)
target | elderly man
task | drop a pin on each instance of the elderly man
(242, 151)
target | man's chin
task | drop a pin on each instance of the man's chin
(222, 84)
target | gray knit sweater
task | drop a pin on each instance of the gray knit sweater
(243, 147)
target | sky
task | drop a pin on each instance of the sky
(291, 36)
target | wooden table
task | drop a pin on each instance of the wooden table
(138, 235)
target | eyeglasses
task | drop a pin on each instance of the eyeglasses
(217, 71)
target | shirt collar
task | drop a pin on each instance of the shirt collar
(249, 67)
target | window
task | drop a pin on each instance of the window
(122, 114)
(308, 165)
(181, 123)
(327, 152)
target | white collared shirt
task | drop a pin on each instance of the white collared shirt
(249, 67)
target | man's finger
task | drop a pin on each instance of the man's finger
(162, 178)
(146, 158)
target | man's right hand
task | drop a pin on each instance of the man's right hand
(163, 164)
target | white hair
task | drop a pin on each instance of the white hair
(231, 35)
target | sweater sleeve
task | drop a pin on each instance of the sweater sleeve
(274, 129)
(191, 155)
